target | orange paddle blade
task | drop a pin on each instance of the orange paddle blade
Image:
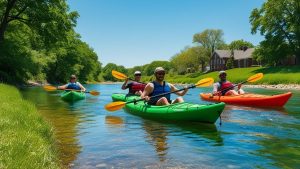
(205, 82)
(115, 106)
(255, 77)
(50, 88)
(94, 93)
(118, 75)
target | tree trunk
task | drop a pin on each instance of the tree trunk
(5, 19)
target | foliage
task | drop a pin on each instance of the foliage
(189, 59)
(239, 44)
(106, 71)
(211, 39)
(37, 41)
(279, 22)
(149, 69)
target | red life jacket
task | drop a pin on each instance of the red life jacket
(137, 87)
(225, 85)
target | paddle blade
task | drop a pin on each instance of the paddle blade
(205, 82)
(115, 106)
(94, 93)
(50, 88)
(255, 77)
(118, 75)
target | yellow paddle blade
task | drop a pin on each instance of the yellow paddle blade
(205, 82)
(50, 88)
(118, 75)
(114, 106)
(94, 93)
(255, 77)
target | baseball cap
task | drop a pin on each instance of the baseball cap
(222, 72)
(137, 73)
(159, 69)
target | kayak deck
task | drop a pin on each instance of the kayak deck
(250, 99)
(71, 96)
(174, 112)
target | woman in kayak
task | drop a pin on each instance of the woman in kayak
(159, 86)
(135, 87)
(225, 87)
(73, 84)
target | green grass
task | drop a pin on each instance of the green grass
(272, 75)
(26, 140)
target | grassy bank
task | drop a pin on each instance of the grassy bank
(272, 75)
(26, 140)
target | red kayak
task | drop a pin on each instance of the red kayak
(250, 99)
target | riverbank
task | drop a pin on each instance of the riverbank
(26, 140)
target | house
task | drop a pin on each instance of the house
(242, 58)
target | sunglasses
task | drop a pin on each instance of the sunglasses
(161, 73)
(138, 75)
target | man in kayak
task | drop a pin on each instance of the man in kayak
(225, 87)
(160, 86)
(73, 84)
(135, 87)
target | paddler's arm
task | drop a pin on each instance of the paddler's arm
(124, 86)
(148, 89)
(81, 87)
(62, 87)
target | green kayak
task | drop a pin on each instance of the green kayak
(72, 96)
(174, 112)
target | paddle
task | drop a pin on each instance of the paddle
(119, 104)
(122, 76)
(251, 79)
(52, 88)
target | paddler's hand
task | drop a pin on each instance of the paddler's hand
(147, 98)
(239, 86)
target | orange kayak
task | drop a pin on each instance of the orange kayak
(251, 99)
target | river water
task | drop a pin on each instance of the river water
(90, 137)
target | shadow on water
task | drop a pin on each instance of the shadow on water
(61, 118)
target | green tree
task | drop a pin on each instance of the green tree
(238, 44)
(149, 69)
(106, 71)
(49, 19)
(211, 39)
(279, 22)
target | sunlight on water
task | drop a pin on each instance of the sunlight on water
(90, 137)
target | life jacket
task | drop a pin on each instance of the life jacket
(159, 89)
(74, 86)
(225, 85)
(135, 87)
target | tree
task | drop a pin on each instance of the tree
(48, 18)
(239, 44)
(149, 70)
(210, 39)
(106, 71)
(279, 22)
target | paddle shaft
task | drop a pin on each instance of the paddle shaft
(192, 86)
(75, 90)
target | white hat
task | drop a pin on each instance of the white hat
(137, 72)
(158, 69)
(222, 72)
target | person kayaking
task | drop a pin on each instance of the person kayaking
(225, 87)
(73, 84)
(160, 86)
(135, 87)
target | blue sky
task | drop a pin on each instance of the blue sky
(136, 32)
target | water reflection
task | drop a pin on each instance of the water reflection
(63, 120)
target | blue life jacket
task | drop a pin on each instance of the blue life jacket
(159, 89)
(74, 86)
